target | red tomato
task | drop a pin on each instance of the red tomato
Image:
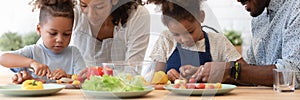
(191, 86)
(200, 86)
(210, 86)
(92, 71)
(185, 85)
(100, 71)
(192, 80)
(176, 85)
(108, 71)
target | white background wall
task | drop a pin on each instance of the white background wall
(230, 15)
(233, 16)
(16, 16)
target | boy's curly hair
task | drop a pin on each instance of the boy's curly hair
(178, 9)
(122, 10)
(54, 8)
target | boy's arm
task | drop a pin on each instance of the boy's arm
(10, 60)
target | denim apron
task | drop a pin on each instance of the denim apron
(182, 56)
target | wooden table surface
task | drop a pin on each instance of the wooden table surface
(240, 93)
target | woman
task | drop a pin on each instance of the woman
(111, 30)
(108, 30)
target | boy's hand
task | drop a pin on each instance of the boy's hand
(40, 69)
(22, 76)
(57, 74)
(173, 75)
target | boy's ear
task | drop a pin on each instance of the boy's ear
(202, 16)
(38, 29)
(114, 2)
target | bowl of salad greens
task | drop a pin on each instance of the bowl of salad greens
(119, 80)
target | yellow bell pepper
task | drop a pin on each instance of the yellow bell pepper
(74, 77)
(76, 82)
(32, 85)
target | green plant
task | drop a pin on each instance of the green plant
(30, 38)
(234, 37)
(10, 41)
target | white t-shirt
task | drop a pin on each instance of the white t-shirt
(220, 48)
(128, 43)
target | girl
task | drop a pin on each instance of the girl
(185, 43)
(55, 27)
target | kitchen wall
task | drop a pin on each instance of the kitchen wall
(224, 15)
(233, 16)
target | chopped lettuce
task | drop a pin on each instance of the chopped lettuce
(114, 84)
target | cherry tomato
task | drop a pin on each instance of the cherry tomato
(176, 85)
(210, 86)
(108, 71)
(100, 71)
(191, 86)
(92, 71)
(192, 80)
(200, 86)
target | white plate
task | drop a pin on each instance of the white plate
(104, 94)
(16, 90)
(225, 89)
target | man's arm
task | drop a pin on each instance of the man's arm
(256, 74)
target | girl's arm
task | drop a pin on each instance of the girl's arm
(160, 66)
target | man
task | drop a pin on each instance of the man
(274, 45)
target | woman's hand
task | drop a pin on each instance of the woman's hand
(173, 75)
(57, 74)
(40, 69)
(83, 74)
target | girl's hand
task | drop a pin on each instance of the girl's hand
(40, 69)
(57, 74)
(187, 71)
(173, 75)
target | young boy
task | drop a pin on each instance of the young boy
(53, 58)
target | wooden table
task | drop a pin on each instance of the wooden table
(240, 93)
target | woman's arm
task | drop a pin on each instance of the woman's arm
(138, 35)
